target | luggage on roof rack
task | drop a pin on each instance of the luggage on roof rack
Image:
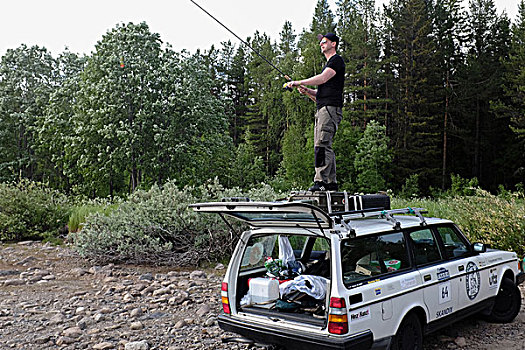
(341, 201)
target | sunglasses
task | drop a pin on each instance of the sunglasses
(324, 41)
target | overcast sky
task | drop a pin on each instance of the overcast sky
(78, 25)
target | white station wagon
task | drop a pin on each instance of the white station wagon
(307, 278)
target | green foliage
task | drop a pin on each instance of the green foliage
(156, 226)
(483, 217)
(346, 148)
(298, 155)
(81, 212)
(247, 168)
(463, 187)
(27, 76)
(372, 159)
(411, 187)
(31, 210)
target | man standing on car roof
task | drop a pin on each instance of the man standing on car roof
(329, 100)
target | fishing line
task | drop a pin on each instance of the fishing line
(243, 41)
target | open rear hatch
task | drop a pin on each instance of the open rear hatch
(294, 253)
(270, 214)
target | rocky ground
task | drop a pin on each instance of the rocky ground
(52, 299)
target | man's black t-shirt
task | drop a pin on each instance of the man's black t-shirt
(331, 92)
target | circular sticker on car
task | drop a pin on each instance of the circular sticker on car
(473, 281)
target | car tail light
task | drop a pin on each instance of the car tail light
(337, 316)
(224, 298)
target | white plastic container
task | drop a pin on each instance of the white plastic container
(263, 291)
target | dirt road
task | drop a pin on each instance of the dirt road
(52, 299)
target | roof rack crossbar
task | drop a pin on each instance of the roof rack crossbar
(389, 216)
(359, 211)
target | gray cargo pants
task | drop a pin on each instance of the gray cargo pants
(327, 120)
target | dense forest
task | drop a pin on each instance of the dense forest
(433, 90)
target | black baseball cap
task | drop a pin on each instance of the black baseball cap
(329, 36)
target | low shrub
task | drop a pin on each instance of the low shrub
(31, 210)
(411, 187)
(483, 217)
(157, 227)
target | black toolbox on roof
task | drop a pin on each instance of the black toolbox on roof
(332, 202)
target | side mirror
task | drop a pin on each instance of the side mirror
(479, 247)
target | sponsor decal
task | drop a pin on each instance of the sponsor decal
(360, 315)
(482, 263)
(357, 285)
(444, 312)
(445, 293)
(378, 291)
(408, 282)
(442, 274)
(374, 281)
(493, 260)
(493, 278)
(472, 281)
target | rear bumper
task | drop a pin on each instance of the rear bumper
(520, 277)
(300, 341)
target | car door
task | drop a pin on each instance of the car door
(469, 266)
(440, 289)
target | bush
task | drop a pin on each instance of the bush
(463, 187)
(80, 212)
(30, 210)
(411, 187)
(483, 217)
(156, 226)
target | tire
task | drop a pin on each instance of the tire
(409, 336)
(507, 304)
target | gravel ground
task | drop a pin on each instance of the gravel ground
(52, 299)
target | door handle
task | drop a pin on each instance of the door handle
(427, 278)
(461, 267)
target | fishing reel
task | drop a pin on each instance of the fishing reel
(286, 87)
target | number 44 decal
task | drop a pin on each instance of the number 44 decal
(444, 292)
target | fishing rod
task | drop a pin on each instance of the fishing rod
(285, 86)
(243, 41)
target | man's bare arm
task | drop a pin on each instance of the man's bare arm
(316, 80)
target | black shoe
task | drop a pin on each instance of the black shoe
(318, 186)
(332, 186)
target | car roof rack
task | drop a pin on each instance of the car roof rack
(346, 216)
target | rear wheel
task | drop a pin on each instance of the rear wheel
(507, 304)
(409, 336)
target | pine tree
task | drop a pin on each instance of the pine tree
(360, 48)
(483, 137)
(413, 126)
(263, 118)
(511, 106)
(449, 21)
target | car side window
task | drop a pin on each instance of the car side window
(454, 246)
(425, 249)
(365, 257)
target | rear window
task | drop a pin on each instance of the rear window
(366, 257)
(260, 248)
